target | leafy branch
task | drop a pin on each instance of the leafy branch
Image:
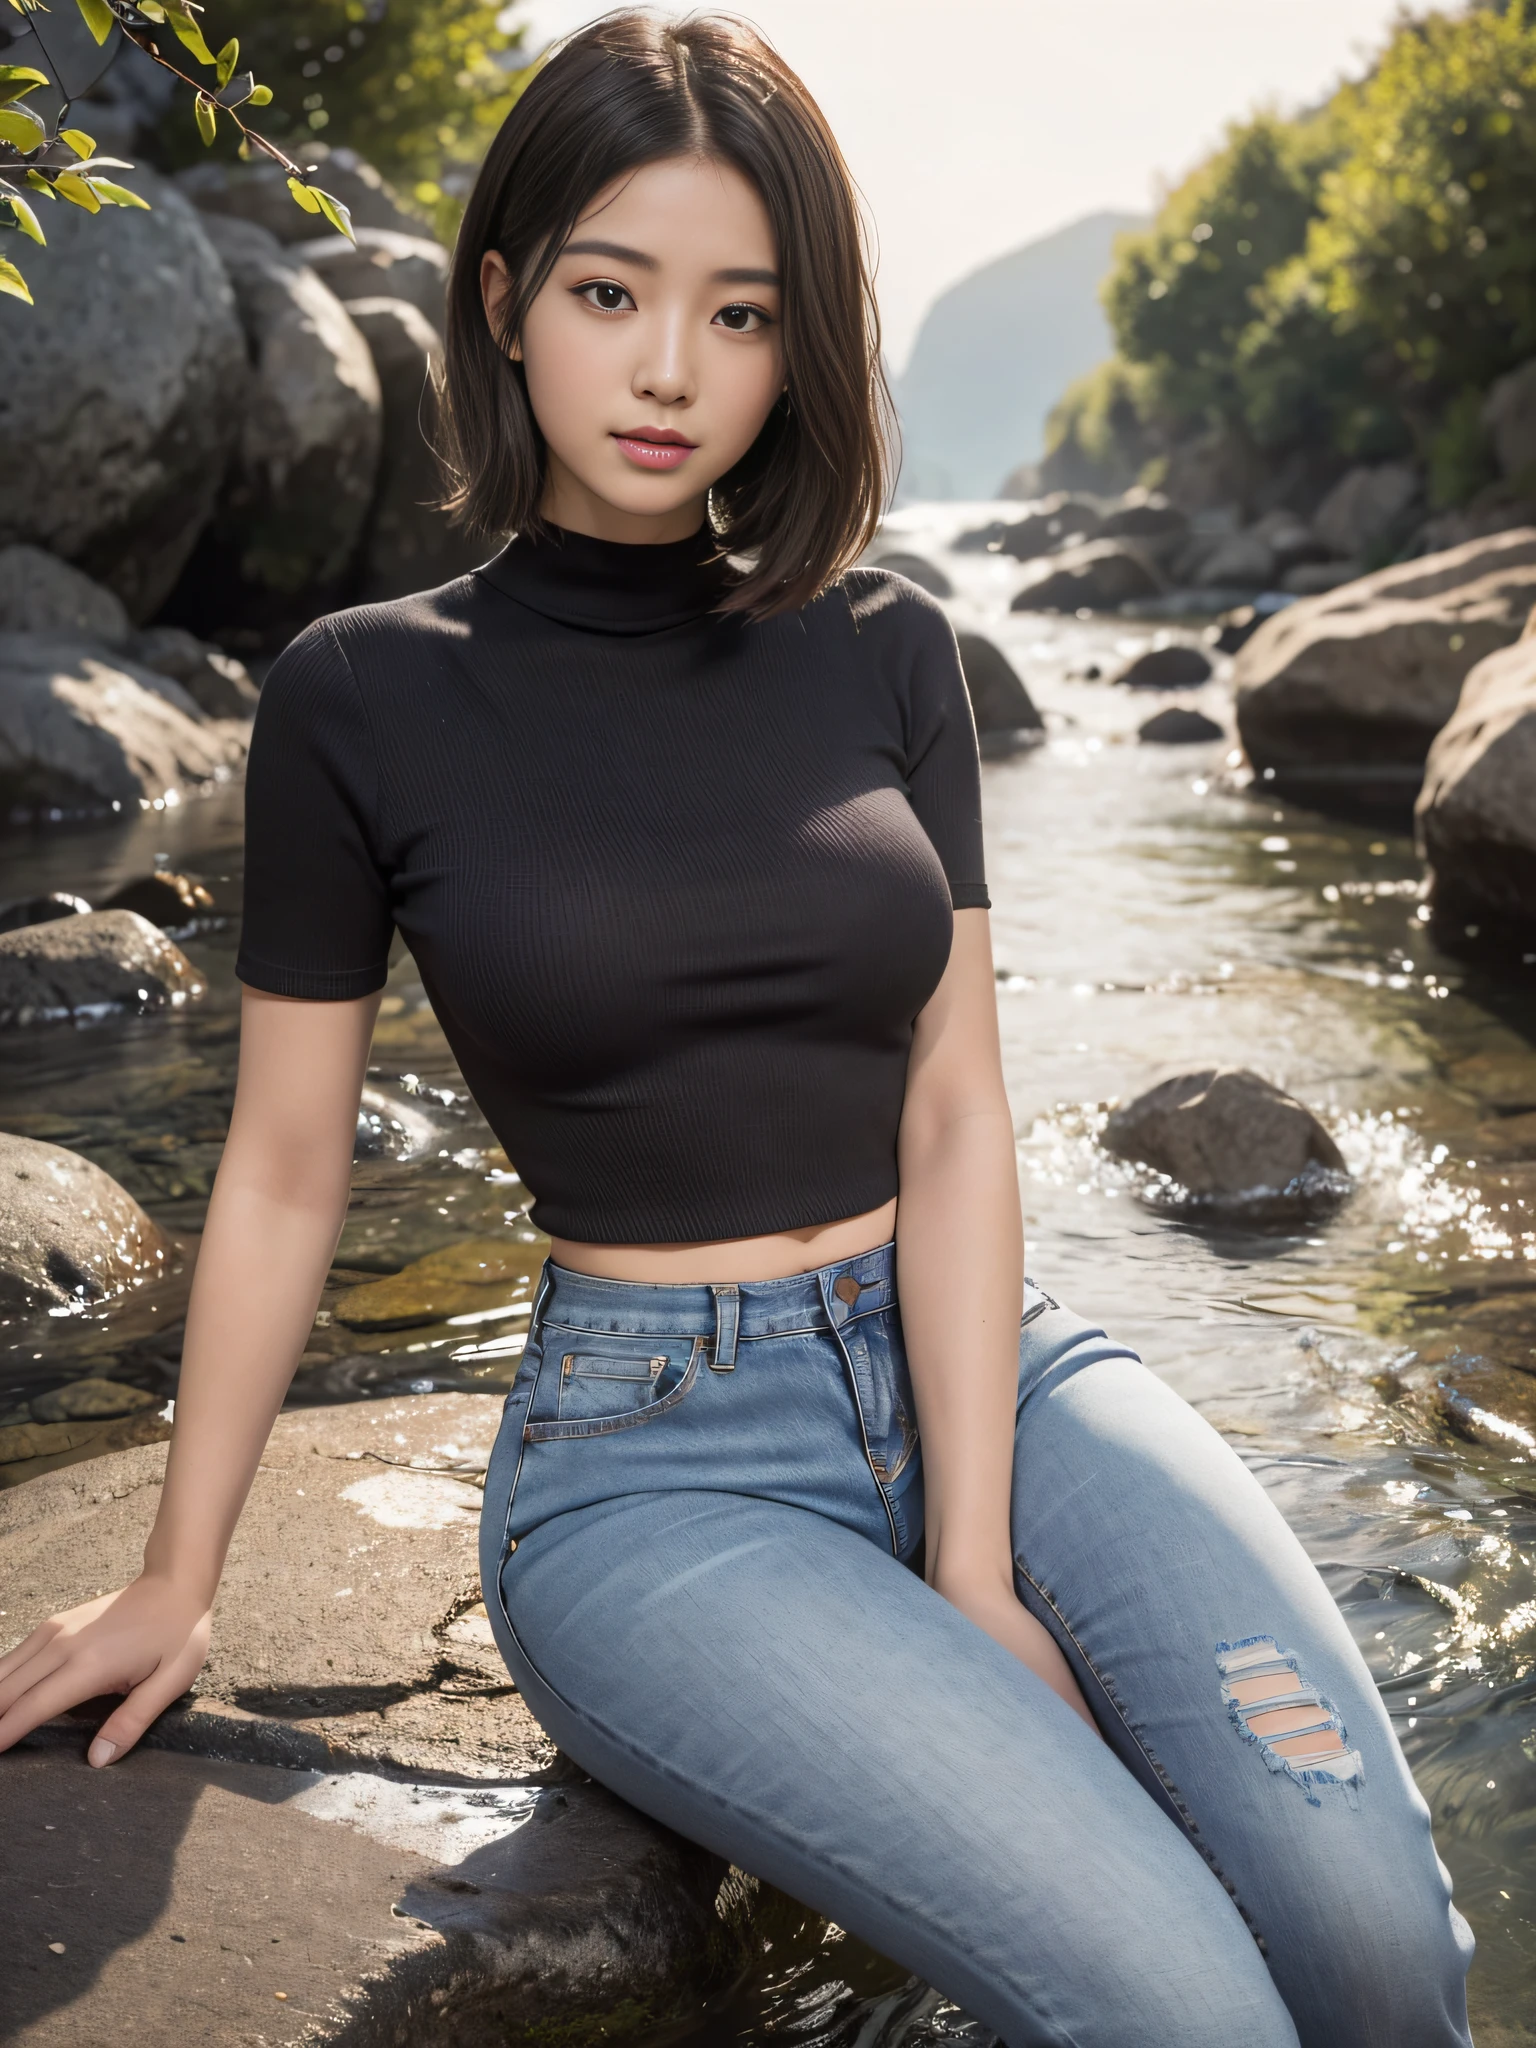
(61, 162)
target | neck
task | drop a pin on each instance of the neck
(567, 502)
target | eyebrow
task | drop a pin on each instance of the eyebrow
(623, 254)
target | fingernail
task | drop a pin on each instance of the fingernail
(101, 1751)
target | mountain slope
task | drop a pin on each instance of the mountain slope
(995, 352)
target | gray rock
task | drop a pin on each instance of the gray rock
(1290, 539)
(168, 900)
(1239, 561)
(216, 682)
(122, 393)
(1214, 470)
(1148, 518)
(1351, 687)
(309, 1808)
(1005, 713)
(1166, 668)
(1313, 579)
(1367, 506)
(293, 504)
(1178, 726)
(1060, 520)
(259, 192)
(83, 966)
(68, 1232)
(82, 726)
(1509, 414)
(1097, 576)
(917, 569)
(41, 594)
(383, 264)
(408, 543)
(1226, 1138)
(90, 1400)
(1476, 813)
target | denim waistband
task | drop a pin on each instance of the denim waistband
(741, 1310)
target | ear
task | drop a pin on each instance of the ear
(495, 289)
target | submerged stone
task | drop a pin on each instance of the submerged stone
(477, 1273)
(87, 965)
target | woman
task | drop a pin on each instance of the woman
(680, 818)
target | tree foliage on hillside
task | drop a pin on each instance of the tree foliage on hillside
(1354, 279)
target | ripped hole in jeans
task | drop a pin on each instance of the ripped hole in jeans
(1296, 1730)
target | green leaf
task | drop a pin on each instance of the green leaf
(335, 213)
(227, 59)
(207, 120)
(16, 79)
(116, 195)
(81, 143)
(12, 282)
(26, 220)
(39, 183)
(22, 127)
(184, 24)
(152, 8)
(261, 96)
(99, 18)
(304, 196)
(70, 185)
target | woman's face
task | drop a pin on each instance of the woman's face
(652, 352)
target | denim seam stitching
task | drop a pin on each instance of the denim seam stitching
(609, 1425)
(1191, 1825)
(869, 1456)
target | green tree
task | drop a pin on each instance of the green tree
(418, 87)
(1183, 292)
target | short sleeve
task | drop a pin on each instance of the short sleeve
(943, 767)
(317, 919)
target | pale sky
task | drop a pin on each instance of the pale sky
(975, 125)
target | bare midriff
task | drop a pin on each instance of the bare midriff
(775, 1257)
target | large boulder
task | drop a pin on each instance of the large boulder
(297, 493)
(81, 966)
(1225, 1138)
(382, 263)
(1368, 506)
(1005, 715)
(258, 192)
(216, 682)
(83, 727)
(1477, 810)
(1349, 688)
(122, 394)
(68, 1233)
(1175, 667)
(1239, 561)
(1097, 576)
(1147, 518)
(1509, 414)
(41, 594)
(409, 544)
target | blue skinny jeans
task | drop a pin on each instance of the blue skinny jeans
(699, 1520)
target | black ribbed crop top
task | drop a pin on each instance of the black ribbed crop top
(677, 884)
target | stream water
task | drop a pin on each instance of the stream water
(1149, 910)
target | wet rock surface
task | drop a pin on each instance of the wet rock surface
(478, 1274)
(81, 966)
(68, 1233)
(168, 900)
(1005, 714)
(1178, 725)
(1225, 1137)
(1166, 668)
(1097, 576)
(41, 594)
(1477, 810)
(82, 727)
(354, 1830)
(122, 392)
(216, 682)
(1350, 688)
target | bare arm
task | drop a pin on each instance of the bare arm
(277, 1209)
(960, 1262)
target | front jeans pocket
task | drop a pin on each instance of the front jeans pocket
(603, 1383)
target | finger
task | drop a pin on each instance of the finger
(125, 1724)
(64, 1687)
(47, 1658)
(27, 1647)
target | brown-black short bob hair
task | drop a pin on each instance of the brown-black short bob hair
(630, 90)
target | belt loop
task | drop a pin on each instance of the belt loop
(727, 1323)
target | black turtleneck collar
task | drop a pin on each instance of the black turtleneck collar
(606, 586)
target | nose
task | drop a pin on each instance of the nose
(665, 372)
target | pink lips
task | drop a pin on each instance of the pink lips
(659, 449)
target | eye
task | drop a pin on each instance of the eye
(741, 319)
(606, 296)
